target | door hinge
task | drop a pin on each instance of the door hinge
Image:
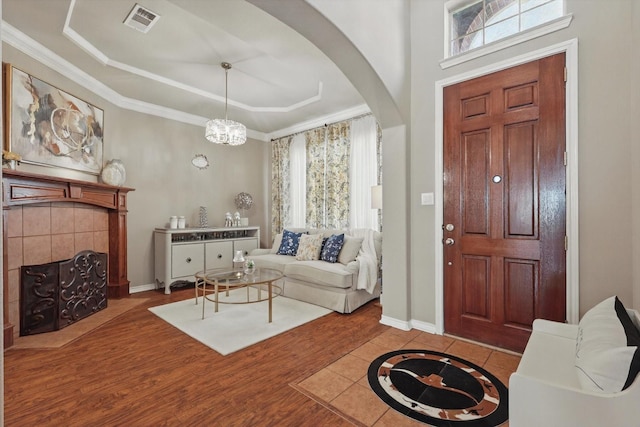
(565, 74)
(566, 243)
(564, 160)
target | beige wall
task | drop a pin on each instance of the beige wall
(635, 156)
(608, 182)
(605, 141)
(157, 155)
(157, 151)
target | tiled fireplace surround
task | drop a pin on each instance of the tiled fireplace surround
(48, 232)
(49, 219)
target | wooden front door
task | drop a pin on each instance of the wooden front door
(504, 203)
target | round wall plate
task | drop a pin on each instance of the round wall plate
(200, 161)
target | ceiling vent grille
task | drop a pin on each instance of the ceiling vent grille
(141, 19)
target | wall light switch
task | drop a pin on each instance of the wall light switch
(426, 198)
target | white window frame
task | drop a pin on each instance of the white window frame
(520, 37)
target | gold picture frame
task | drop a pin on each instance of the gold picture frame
(47, 126)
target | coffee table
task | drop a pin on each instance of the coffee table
(209, 284)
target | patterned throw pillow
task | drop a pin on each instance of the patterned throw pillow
(289, 244)
(309, 248)
(331, 248)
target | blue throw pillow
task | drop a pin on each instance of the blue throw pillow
(289, 244)
(331, 248)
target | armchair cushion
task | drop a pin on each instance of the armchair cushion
(607, 348)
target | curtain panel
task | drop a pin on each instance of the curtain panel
(316, 149)
(327, 182)
(280, 184)
(337, 184)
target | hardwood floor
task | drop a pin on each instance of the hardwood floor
(139, 371)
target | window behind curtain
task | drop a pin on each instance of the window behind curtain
(330, 172)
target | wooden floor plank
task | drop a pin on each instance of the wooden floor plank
(138, 370)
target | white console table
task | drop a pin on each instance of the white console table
(180, 253)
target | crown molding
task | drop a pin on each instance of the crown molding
(312, 124)
(45, 56)
(20, 41)
(103, 59)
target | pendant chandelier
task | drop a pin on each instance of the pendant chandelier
(225, 131)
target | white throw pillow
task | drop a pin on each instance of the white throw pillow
(350, 249)
(607, 354)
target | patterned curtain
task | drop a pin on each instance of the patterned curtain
(338, 191)
(316, 152)
(280, 181)
(328, 176)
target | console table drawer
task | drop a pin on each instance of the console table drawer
(245, 245)
(186, 260)
(218, 254)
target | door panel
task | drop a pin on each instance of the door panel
(504, 192)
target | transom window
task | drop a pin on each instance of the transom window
(475, 23)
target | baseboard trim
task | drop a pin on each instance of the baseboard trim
(408, 325)
(142, 288)
(424, 326)
(398, 324)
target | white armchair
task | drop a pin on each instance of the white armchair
(545, 389)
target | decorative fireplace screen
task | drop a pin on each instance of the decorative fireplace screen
(55, 295)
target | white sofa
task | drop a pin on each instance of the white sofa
(547, 388)
(330, 285)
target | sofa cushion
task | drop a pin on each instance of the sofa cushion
(289, 244)
(275, 261)
(322, 273)
(331, 248)
(309, 247)
(607, 348)
(350, 249)
(276, 243)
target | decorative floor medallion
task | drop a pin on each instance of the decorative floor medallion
(439, 389)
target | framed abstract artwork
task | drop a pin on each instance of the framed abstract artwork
(49, 127)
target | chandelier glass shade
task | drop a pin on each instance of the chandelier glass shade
(225, 131)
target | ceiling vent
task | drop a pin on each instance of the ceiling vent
(141, 19)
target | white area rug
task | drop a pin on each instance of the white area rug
(236, 326)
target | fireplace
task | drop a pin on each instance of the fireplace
(49, 219)
(58, 294)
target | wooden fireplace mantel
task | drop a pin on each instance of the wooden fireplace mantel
(23, 188)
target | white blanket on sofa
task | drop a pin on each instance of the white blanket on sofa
(368, 272)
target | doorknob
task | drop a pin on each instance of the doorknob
(449, 241)
(449, 227)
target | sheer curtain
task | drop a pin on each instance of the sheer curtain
(363, 173)
(298, 174)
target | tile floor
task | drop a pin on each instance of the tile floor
(344, 382)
